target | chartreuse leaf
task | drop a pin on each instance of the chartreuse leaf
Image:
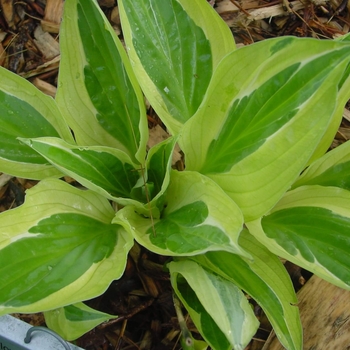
(173, 47)
(105, 170)
(195, 344)
(217, 307)
(310, 227)
(26, 112)
(342, 98)
(345, 37)
(333, 169)
(58, 248)
(336, 118)
(97, 91)
(266, 280)
(272, 103)
(73, 321)
(198, 217)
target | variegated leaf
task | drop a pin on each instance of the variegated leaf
(58, 248)
(310, 227)
(73, 321)
(266, 280)
(342, 98)
(26, 112)
(333, 169)
(97, 91)
(198, 217)
(173, 47)
(105, 170)
(218, 308)
(268, 106)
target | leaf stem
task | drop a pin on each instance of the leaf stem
(186, 334)
(148, 199)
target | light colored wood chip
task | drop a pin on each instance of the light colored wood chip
(235, 17)
(45, 87)
(346, 114)
(226, 6)
(274, 10)
(4, 179)
(50, 27)
(115, 16)
(250, 4)
(344, 132)
(53, 15)
(46, 43)
(2, 36)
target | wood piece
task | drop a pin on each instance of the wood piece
(45, 87)
(44, 68)
(346, 114)
(345, 132)
(2, 55)
(325, 316)
(157, 135)
(115, 18)
(4, 179)
(50, 27)
(274, 10)
(106, 3)
(233, 16)
(8, 11)
(226, 6)
(53, 16)
(48, 46)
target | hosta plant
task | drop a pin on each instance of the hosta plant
(253, 124)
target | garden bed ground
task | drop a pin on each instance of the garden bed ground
(143, 298)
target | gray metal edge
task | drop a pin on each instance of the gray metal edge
(13, 332)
